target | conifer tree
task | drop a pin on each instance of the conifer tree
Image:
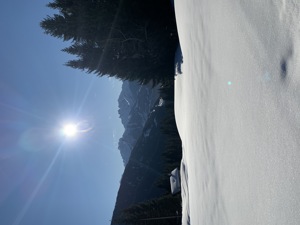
(123, 38)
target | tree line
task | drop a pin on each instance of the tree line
(127, 39)
(166, 209)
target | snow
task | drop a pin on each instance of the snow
(237, 106)
(161, 102)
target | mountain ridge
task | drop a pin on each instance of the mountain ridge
(135, 104)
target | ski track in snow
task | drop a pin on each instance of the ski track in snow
(237, 105)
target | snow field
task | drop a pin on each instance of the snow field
(237, 107)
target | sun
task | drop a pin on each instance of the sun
(70, 130)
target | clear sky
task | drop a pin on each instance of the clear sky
(46, 178)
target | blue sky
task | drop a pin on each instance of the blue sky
(45, 178)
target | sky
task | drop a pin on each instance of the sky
(45, 177)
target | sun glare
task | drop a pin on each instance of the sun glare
(70, 130)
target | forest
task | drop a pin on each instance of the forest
(144, 196)
(128, 40)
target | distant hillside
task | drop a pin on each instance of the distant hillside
(145, 185)
(135, 103)
(145, 165)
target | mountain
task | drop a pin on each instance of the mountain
(145, 164)
(135, 104)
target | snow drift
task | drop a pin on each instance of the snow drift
(237, 106)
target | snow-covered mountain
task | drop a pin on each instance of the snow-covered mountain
(135, 104)
(237, 106)
(145, 165)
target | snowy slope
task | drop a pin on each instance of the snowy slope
(238, 111)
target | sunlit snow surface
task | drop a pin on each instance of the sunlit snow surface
(238, 111)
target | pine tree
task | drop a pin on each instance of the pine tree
(123, 38)
(152, 212)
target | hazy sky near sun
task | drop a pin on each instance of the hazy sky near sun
(45, 179)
